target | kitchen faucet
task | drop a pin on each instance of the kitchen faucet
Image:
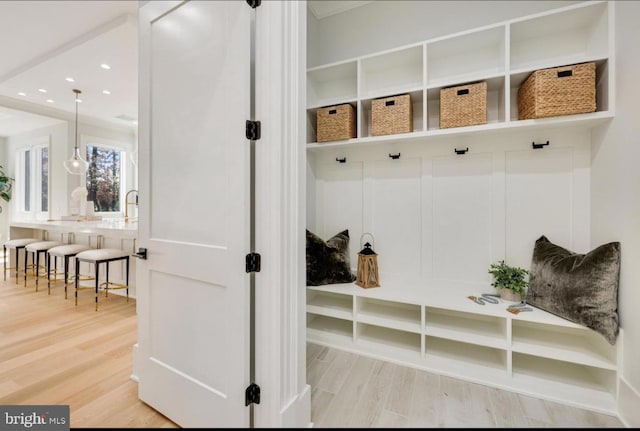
(127, 203)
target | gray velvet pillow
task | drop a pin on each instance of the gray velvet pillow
(582, 288)
(328, 262)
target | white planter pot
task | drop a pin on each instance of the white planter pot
(510, 295)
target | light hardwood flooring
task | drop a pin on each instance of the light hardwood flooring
(353, 391)
(52, 352)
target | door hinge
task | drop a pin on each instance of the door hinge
(253, 130)
(254, 3)
(253, 262)
(252, 394)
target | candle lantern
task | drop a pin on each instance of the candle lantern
(367, 275)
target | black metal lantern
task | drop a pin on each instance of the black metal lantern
(367, 275)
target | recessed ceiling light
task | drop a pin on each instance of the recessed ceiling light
(106, 92)
(50, 101)
(105, 66)
(21, 94)
(42, 90)
(134, 122)
(70, 79)
(79, 100)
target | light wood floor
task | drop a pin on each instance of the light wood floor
(350, 391)
(54, 353)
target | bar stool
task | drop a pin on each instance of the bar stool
(96, 257)
(17, 244)
(65, 252)
(37, 248)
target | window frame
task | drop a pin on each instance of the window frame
(35, 146)
(85, 141)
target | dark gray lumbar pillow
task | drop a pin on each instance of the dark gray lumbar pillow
(582, 288)
(328, 262)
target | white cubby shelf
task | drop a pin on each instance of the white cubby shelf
(503, 55)
(439, 329)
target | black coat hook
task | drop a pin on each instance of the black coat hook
(342, 160)
(394, 156)
(461, 151)
(538, 146)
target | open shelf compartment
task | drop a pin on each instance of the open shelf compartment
(466, 57)
(321, 326)
(330, 304)
(495, 102)
(332, 85)
(416, 101)
(466, 327)
(576, 345)
(389, 339)
(560, 38)
(391, 73)
(466, 359)
(581, 384)
(391, 314)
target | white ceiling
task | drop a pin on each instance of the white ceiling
(44, 42)
(13, 122)
(324, 8)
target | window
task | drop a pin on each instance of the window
(32, 179)
(104, 177)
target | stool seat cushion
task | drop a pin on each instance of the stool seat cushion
(22, 242)
(42, 245)
(101, 254)
(67, 250)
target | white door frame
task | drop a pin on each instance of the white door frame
(280, 330)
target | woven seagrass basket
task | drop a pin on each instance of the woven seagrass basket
(335, 123)
(463, 105)
(558, 91)
(391, 115)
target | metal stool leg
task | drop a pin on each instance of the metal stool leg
(97, 281)
(66, 272)
(77, 274)
(127, 279)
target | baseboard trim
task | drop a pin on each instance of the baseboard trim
(297, 413)
(628, 402)
(134, 373)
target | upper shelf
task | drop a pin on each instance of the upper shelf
(590, 120)
(503, 55)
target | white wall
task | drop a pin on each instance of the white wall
(382, 24)
(615, 204)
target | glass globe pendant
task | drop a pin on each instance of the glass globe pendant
(76, 165)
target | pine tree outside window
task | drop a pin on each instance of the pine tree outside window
(104, 178)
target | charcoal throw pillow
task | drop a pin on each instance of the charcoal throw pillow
(582, 288)
(328, 262)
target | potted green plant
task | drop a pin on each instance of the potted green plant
(509, 280)
(6, 184)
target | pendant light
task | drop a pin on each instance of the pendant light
(76, 165)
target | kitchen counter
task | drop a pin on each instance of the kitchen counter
(107, 227)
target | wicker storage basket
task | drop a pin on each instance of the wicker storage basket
(558, 91)
(464, 105)
(391, 115)
(336, 123)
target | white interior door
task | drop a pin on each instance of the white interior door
(192, 290)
